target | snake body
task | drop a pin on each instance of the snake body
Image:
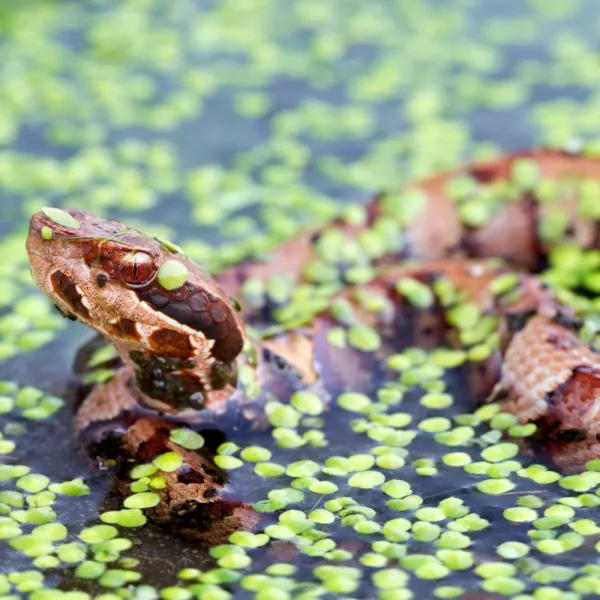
(184, 347)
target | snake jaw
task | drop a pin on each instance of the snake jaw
(108, 276)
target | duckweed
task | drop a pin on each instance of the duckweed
(495, 486)
(506, 586)
(33, 483)
(168, 462)
(228, 462)
(323, 487)
(366, 479)
(581, 483)
(307, 402)
(390, 461)
(283, 416)
(448, 591)
(425, 532)
(390, 579)
(71, 553)
(456, 459)
(435, 424)
(430, 514)
(520, 514)
(142, 500)
(436, 401)
(255, 454)
(186, 438)
(60, 217)
(417, 293)
(172, 274)
(512, 550)
(503, 421)
(432, 570)
(360, 462)
(499, 452)
(302, 468)
(228, 448)
(98, 533)
(363, 338)
(90, 570)
(456, 560)
(354, 401)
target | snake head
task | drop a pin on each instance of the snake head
(166, 316)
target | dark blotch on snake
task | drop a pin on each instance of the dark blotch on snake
(563, 343)
(156, 445)
(567, 321)
(189, 475)
(66, 289)
(211, 492)
(201, 516)
(171, 342)
(517, 320)
(571, 435)
(571, 404)
(125, 328)
(155, 378)
(483, 174)
(223, 374)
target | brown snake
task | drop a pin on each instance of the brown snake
(182, 340)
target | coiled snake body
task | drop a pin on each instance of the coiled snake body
(421, 279)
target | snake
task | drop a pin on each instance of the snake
(451, 261)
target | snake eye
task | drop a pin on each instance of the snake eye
(137, 269)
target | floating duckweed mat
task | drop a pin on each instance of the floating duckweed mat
(227, 126)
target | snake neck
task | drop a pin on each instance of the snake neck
(168, 383)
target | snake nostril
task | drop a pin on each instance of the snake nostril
(101, 279)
